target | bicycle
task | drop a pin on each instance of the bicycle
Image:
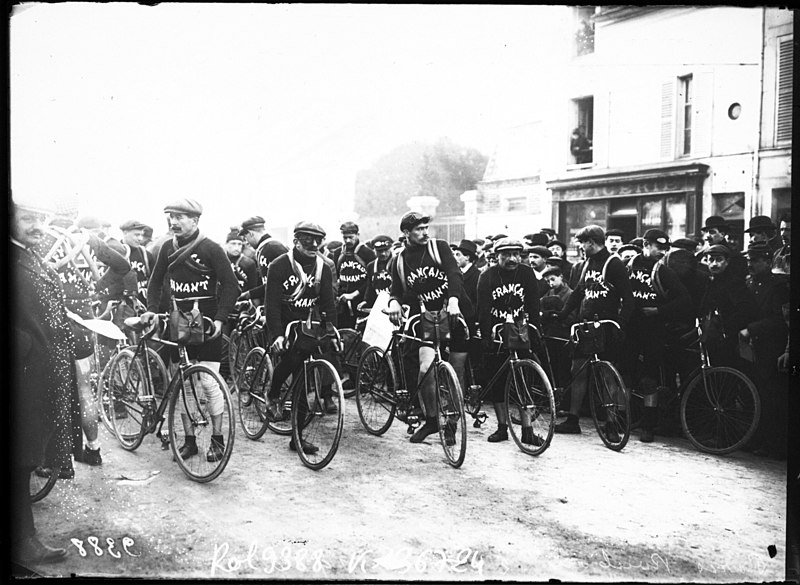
(305, 388)
(719, 406)
(131, 385)
(39, 486)
(352, 348)
(528, 398)
(248, 333)
(382, 395)
(609, 400)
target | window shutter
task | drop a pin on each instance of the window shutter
(667, 120)
(703, 108)
(783, 121)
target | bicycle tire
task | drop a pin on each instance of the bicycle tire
(610, 405)
(318, 427)
(450, 415)
(128, 391)
(282, 427)
(225, 366)
(375, 391)
(102, 396)
(254, 377)
(721, 415)
(41, 486)
(354, 348)
(529, 395)
(472, 400)
(188, 396)
(232, 354)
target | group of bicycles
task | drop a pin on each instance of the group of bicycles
(718, 406)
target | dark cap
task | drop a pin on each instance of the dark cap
(132, 224)
(382, 242)
(89, 222)
(412, 219)
(541, 251)
(629, 247)
(233, 235)
(552, 269)
(760, 223)
(348, 227)
(686, 244)
(759, 249)
(715, 221)
(334, 245)
(591, 232)
(717, 249)
(251, 223)
(187, 206)
(309, 228)
(539, 239)
(557, 243)
(498, 237)
(506, 244)
(655, 235)
(468, 247)
(615, 232)
(548, 231)
(479, 242)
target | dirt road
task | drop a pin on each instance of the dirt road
(388, 509)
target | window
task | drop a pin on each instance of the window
(584, 32)
(580, 143)
(685, 100)
(783, 119)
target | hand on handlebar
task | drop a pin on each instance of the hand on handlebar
(395, 312)
(279, 345)
(454, 311)
(147, 318)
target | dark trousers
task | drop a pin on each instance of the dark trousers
(21, 513)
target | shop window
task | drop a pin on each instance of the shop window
(579, 215)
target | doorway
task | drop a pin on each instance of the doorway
(626, 223)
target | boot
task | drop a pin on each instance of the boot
(649, 420)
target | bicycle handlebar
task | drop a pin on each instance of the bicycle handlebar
(596, 323)
(159, 327)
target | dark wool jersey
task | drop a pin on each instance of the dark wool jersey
(667, 292)
(198, 278)
(352, 269)
(142, 263)
(503, 293)
(245, 271)
(609, 299)
(282, 286)
(267, 250)
(379, 279)
(425, 280)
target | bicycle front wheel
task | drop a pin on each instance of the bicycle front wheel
(450, 414)
(531, 407)
(317, 430)
(283, 426)
(720, 410)
(41, 486)
(200, 410)
(610, 405)
(375, 391)
(129, 399)
(253, 384)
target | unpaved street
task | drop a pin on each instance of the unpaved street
(388, 509)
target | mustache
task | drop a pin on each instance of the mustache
(34, 232)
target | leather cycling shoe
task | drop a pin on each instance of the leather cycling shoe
(330, 406)
(64, 472)
(215, 451)
(274, 410)
(188, 450)
(450, 433)
(530, 438)
(568, 427)
(497, 436)
(31, 550)
(425, 430)
(611, 433)
(91, 456)
(308, 448)
(646, 435)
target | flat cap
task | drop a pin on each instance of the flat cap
(309, 228)
(412, 219)
(656, 235)
(250, 223)
(760, 223)
(89, 222)
(233, 235)
(185, 205)
(349, 227)
(507, 244)
(548, 231)
(591, 232)
(686, 244)
(552, 269)
(629, 248)
(498, 237)
(382, 242)
(556, 243)
(334, 245)
(759, 249)
(132, 224)
(539, 239)
(542, 251)
(717, 249)
(33, 204)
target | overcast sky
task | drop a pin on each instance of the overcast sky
(253, 108)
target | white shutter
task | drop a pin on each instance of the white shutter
(703, 105)
(783, 119)
(668, 120)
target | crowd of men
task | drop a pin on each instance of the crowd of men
(655, 288)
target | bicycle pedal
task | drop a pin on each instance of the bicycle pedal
(477, 424)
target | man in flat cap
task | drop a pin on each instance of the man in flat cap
(351, 262)
(299, 284)
(379, 272)
(244, 268)
(267, 249)
(196, 272)
(602, 289)
(141, 259)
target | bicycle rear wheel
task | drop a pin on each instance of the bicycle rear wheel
(531, 407)
(610, 405)
(130, 398)
(375, 391)
(720, 410)
(354, 347)
(189, 414)
(253, 384)
(311, 423)
(450, 414)
(41, 486)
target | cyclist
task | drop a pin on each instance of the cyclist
(244, 269)
(140, 258)
(267, 249)
(603, 289)
(196, 270)
(351, 262)
(429, 275)
(659, 298)
(508, 291)
(379, 274)
(298, 283)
